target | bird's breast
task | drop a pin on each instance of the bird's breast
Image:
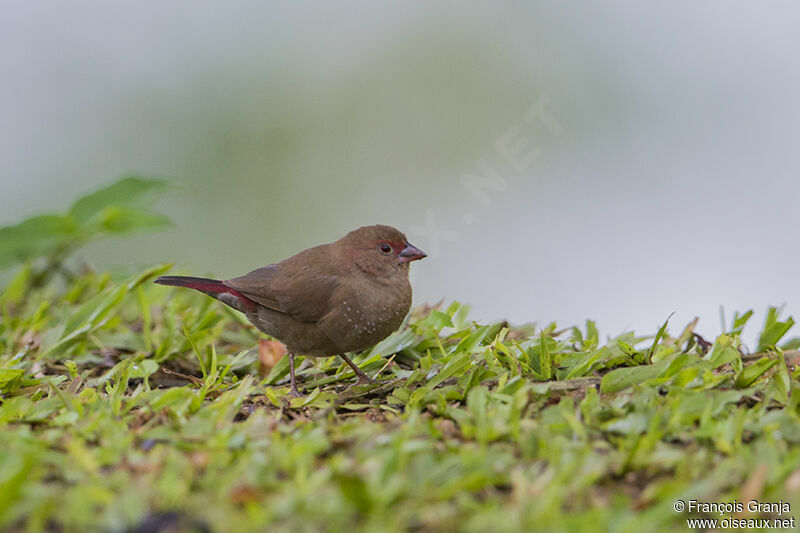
(368, 312)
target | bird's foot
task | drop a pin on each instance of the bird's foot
(364, 379)
(294, 393)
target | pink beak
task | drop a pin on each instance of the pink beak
(411, 253)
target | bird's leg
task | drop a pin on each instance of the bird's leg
(362, 377)
(293, 389)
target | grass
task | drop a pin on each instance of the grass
(130, 406)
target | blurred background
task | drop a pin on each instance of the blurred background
(617, 162)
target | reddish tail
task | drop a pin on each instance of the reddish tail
(214, 288)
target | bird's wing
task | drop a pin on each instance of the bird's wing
(300, 286)
(258, 286)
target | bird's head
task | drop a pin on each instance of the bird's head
(382, 251)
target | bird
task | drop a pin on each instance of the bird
(328, 300)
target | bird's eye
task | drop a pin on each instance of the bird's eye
(385, 249)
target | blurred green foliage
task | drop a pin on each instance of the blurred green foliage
(117, 210)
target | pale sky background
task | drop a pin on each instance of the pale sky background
(672, 186)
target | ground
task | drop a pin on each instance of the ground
(130, 406)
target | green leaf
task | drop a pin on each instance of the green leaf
(143, 368)
(355, 491)
(633, 424)
(460, 313)
(781, 383)
(752, 372)
(622, 378)
(457, 365)
(10, 378)
(394, 343)
(589, 363)
(117, 220)
(544, 357)
(774, 330)
(281, 369)
(791, 344)
(147, 274)
(15, 472)
(196, 351)
(17, 288)
(437, 320)
(592, 336)
(660, 335)
(739, 322)
(34, 237)
(474, 339)
(177, 398)
(724, 352)
(132, 191)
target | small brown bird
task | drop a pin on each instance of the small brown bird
(330, 299)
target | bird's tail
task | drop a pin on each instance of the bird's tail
(214, 288)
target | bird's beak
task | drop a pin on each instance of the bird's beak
(411, 253)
